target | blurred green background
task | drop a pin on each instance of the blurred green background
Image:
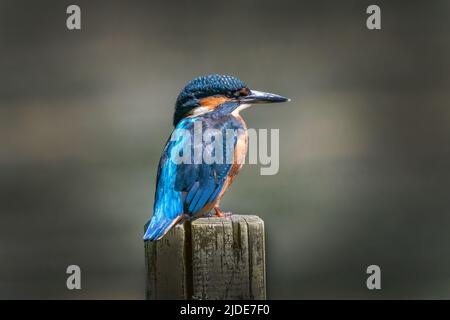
(364, 152)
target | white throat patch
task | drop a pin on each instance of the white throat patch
(200, 110)
(240, 108)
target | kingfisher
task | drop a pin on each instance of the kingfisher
(189, 189)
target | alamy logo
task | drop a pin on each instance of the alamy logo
(73, 21)
(74, 280)
(374, 20)
(213, 146)
(374, 280)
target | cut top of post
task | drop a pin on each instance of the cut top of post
(209, 258)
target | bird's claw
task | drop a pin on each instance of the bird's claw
(221, 214)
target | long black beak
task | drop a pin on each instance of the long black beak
(262, 97)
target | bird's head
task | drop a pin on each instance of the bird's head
(206, 93)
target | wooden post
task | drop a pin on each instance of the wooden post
(210, 258)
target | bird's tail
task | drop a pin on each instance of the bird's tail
(158, 227)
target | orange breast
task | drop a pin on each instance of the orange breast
(240, 150)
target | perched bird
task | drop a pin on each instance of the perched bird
(191, 189)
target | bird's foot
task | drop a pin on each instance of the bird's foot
(221, 214)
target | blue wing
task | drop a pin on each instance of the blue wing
(186, 188)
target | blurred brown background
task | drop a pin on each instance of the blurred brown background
(365, 163)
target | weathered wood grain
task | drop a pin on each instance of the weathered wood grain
(166, 266)
(257, 257)
(210, 258)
